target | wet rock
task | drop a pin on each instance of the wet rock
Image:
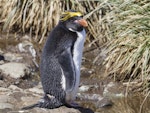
(14, 70)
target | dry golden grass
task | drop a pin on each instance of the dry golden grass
(129, 51)
(39, 17)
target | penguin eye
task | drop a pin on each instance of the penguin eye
(77, 17)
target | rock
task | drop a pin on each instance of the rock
(1, 57)
(1, 62)
(58, 110)
(83, 88)
(89, 97)
(105, 102)
(4, 89)
(29, 100)
(113, 89)
(12, 57)
(86, 72)
(36, 90)
(5, 102)
(4, 98)
(14, 70)
(6, 105)
(15, 88)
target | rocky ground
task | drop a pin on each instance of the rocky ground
(20, 84)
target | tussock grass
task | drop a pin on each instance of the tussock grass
(129, 51)
(36, 16)
(40, 16)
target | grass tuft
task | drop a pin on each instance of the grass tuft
(128, 52)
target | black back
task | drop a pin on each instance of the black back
(57, 54)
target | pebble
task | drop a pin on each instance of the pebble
(84, 88)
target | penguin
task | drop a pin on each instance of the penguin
(61, 62)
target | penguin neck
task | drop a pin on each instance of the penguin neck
(63, 26)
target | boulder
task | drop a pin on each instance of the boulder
(14, 70)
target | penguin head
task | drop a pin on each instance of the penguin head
(73, 21)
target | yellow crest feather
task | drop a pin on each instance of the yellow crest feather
(67, 15)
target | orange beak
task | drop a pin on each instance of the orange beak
(82, 22)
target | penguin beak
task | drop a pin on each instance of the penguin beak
(82, 22)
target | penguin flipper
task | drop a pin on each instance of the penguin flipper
(30, 107)
(66, 62)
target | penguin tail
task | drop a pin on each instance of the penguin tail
(30, 106)
(46, 102)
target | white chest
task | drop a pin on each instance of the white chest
(78, 49)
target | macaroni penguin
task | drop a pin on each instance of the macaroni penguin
(61, 61)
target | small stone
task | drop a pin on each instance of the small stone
(113, 89)
(14, 70)
(105, 102)
(6, 99)
(1, 62)
(36, 90)
(6, 105)
(58, 110)
(84, 88)
(4, 89)
(12, 57)
(14, 88)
